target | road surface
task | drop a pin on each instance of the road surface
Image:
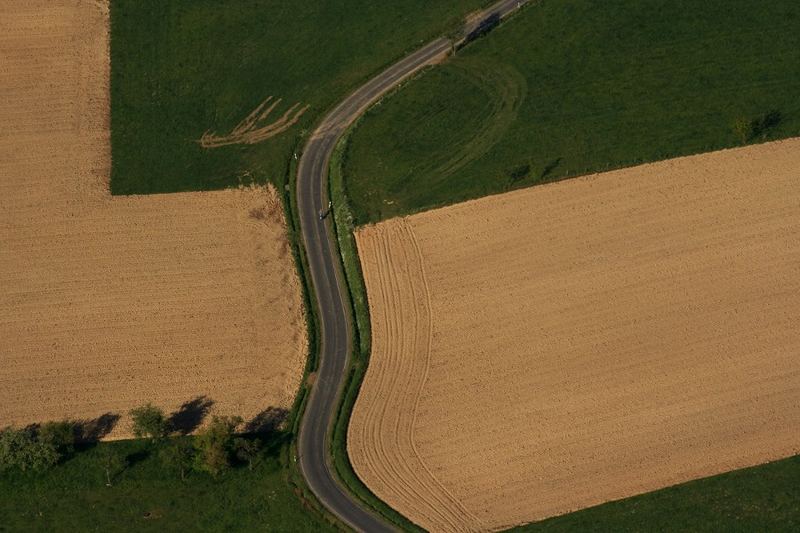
(331, 295)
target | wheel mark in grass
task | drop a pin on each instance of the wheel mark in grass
(248, 130)
(506, 89)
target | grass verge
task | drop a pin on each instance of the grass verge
(571, 87)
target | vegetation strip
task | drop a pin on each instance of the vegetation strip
(50, 481)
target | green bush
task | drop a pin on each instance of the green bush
(215, 445)
(747, 130)
(112, 462)
(149, 422)
(59, 435)
(21, 449)
(743, 128)
(248, 451)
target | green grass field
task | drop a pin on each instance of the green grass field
(574, 86)
(146, 497)
(184, 67)
(763, 498)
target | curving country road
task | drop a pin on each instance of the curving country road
(332, 297)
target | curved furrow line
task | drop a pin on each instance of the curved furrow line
(429, 342)
(388, 461)
(419, 323)
(385, 401)
(372, 429)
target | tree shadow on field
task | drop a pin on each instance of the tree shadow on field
(550, 167)
(268, 426)
(190, 415)
(517, 174)
(267, 421)
(93, 430)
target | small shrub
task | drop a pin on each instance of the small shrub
(743, 128)
(149, 422)
(248, 451)
(747, 130)
(111, 461)
(59, 435)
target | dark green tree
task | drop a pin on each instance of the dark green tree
(19, 448)
(179, 455)
(248, 450)
(149, 422)
(59, 435)
(214, 444)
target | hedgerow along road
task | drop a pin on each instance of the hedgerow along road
(327, 278)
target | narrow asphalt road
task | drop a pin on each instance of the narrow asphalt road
(332, 297)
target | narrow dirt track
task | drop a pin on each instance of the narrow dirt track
(589, 340)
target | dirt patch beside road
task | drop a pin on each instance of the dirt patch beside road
(108, 303)
(557, 347)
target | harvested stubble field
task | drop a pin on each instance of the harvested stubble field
(111, 302)
(553, 348)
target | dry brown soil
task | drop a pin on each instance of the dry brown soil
(108, 303)
(253, 129)
(550, 349)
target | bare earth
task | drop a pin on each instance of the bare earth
(554, 348)
(253, 129)
(108, 303)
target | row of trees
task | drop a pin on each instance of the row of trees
(214, 449)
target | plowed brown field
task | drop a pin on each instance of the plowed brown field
(107, 303)
(553, 348)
